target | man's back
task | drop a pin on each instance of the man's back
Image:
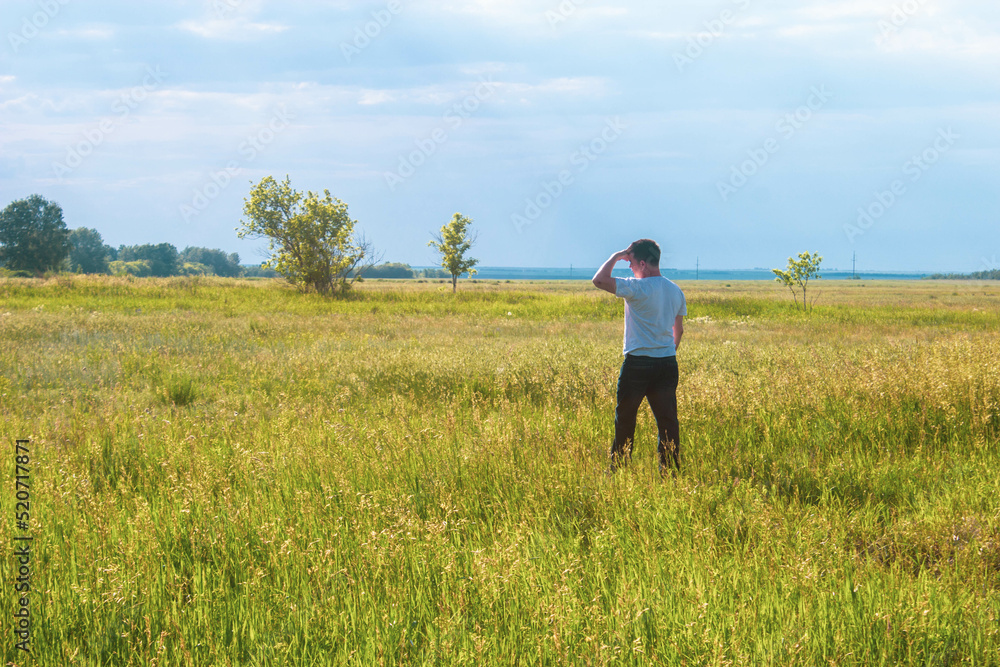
(651, 307)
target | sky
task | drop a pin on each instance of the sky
(734, 132)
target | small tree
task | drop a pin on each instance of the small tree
(33, 236)
(311, 238)
(217, 261)
(88, 252)
(452, 243)
(163, 258)
(798, 274)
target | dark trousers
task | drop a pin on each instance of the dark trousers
(655, 379)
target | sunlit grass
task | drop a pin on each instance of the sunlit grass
(230, 472)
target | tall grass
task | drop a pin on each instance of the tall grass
(407, 477)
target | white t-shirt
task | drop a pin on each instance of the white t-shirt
(651, 306)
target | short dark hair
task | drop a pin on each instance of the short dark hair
(645, 250)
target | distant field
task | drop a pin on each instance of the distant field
(229, 472)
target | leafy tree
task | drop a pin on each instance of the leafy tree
(452, 244)
(390, 270)
(163, 258)
(797, 275)
(218, 262)
(196, 269)
(33, 236)
(435, 273)
(88, 253)
(258, 272)
(140, 268)
(311, 238)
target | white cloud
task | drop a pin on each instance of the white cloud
(955, 37)
(102, 32)
(835, 11)
(234, 30)
(505, 10)
(35, 105)
(370, 97)
(810, 30)
(483, 69)
(442, 95)
(525, 93)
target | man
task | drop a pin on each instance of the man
(654, 323)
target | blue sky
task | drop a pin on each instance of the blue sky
(736, 132)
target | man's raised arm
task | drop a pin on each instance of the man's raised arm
(602, 279)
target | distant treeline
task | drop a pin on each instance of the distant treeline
(993, 274)
(34, 241)
(396, 270)
(89, 254)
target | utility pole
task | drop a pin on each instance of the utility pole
(854, 266)
(696, 268)
(571, 272)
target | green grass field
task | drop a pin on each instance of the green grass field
(233, 473)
